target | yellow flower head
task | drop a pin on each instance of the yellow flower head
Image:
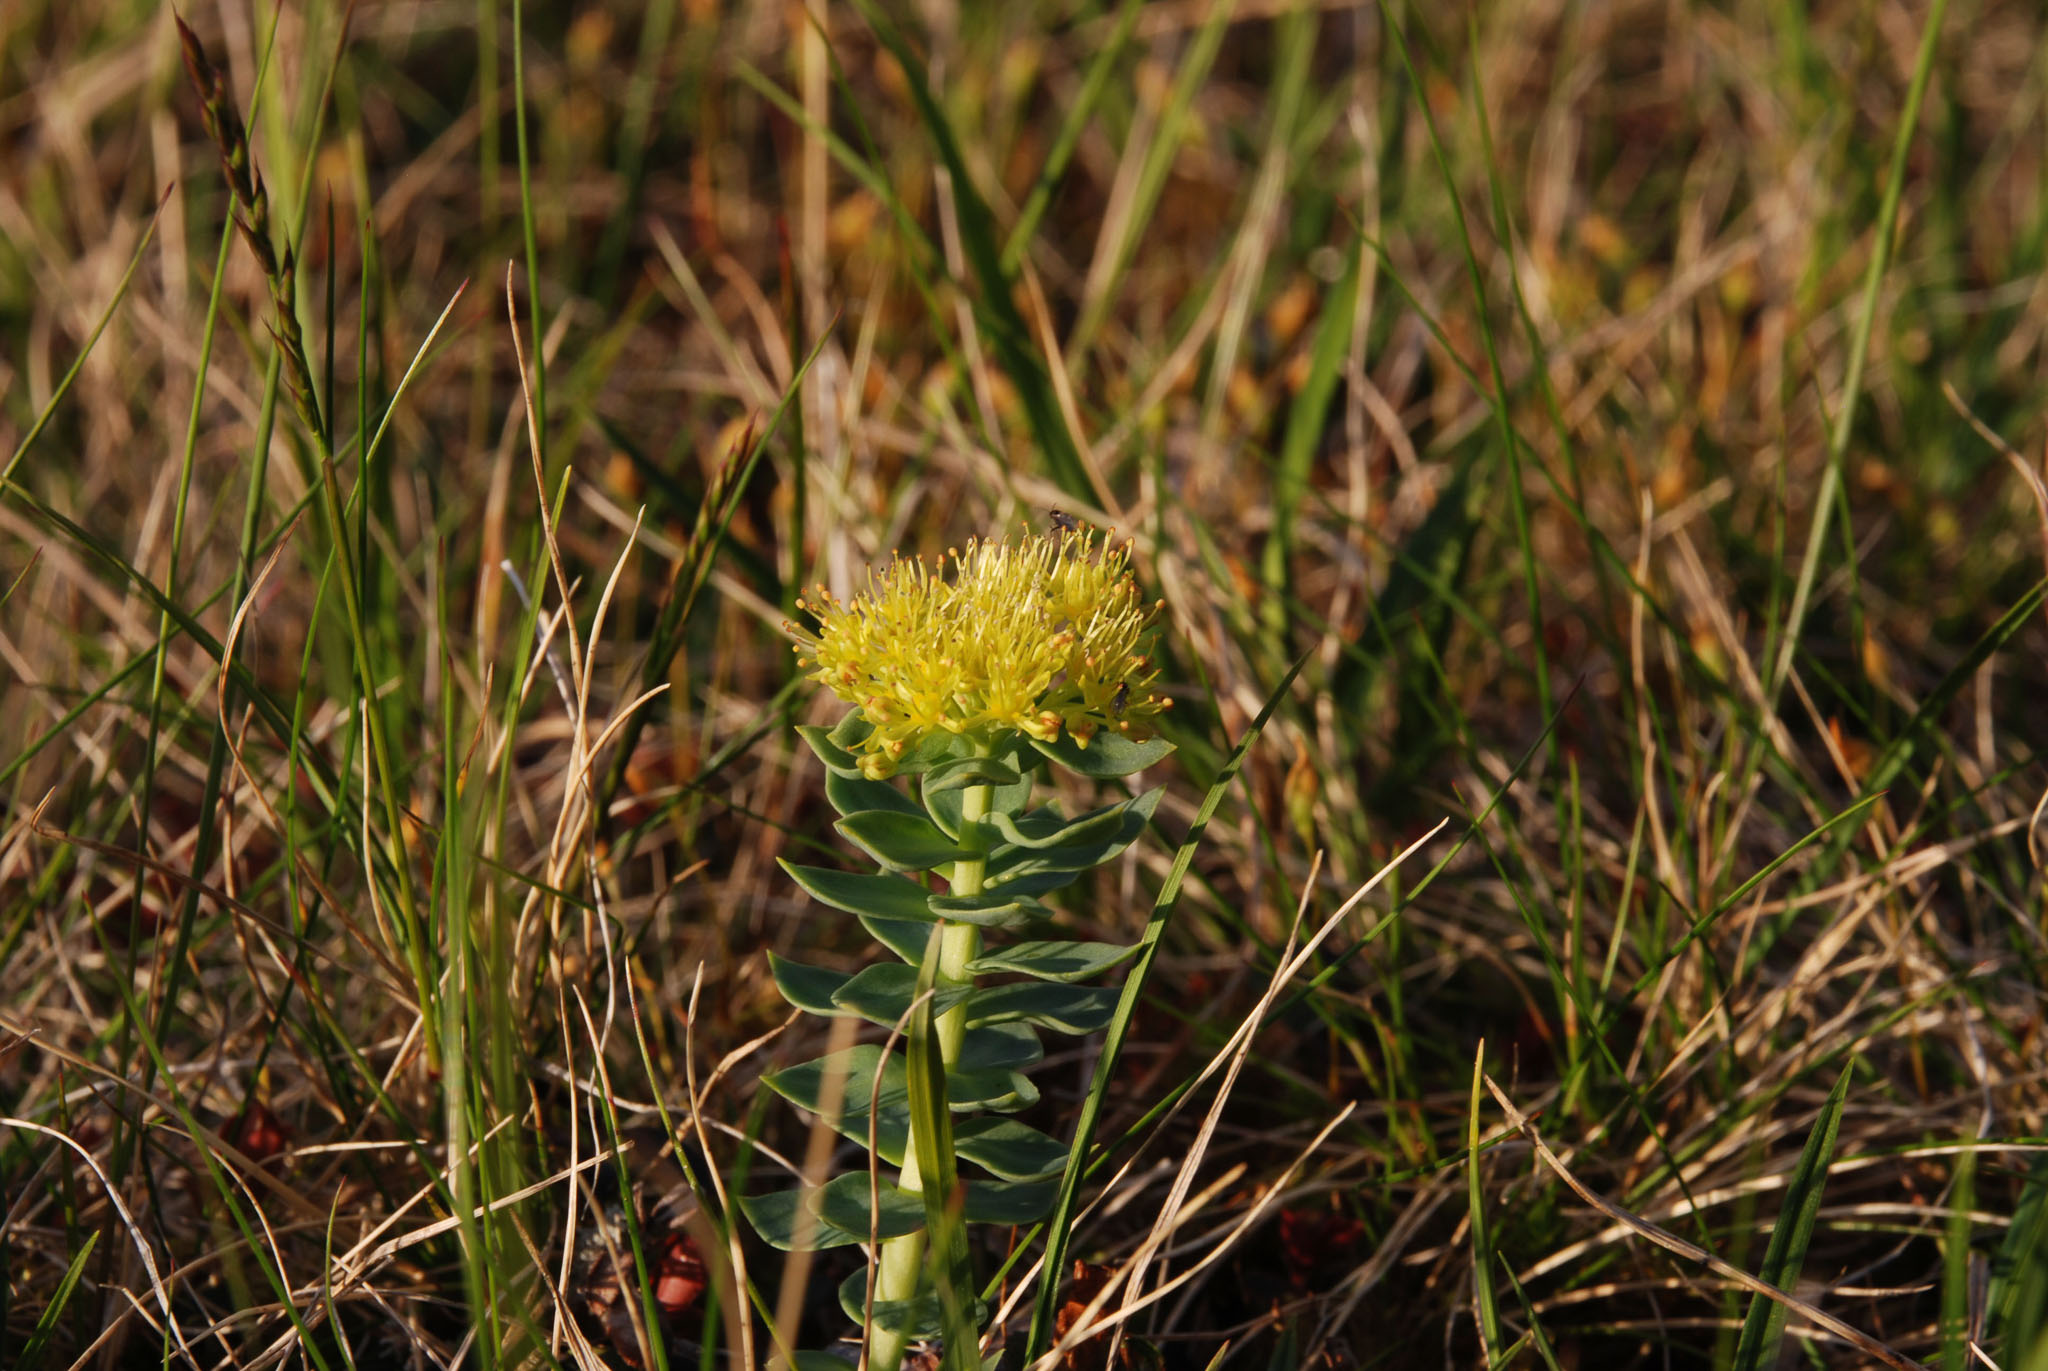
(1032, 636)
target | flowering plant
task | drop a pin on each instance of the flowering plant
(971, 679)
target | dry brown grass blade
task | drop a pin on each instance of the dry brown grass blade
(2039, 490)
(183, 879)
(142, 1249)
(1671, 1242)
(736, 1253)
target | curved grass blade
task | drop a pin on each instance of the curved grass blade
(31, 1354)
(1059, 1227)
(1007, 332)
(1763, 1328)
(1482, 1246)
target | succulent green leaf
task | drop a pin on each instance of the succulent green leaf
(1012, 865)
(864, 893)
(1005, 1092)
(1006, 1148)
(842, 1203)
(1047, 827)
(851, 731)
(785, 1219)
(819, 1361)
(1107, 754)
(1010, 1202)
(900, 842)
(1020, 876)
(809, 988)
(945, 805)
(1053, 961)
(1020, 869)
(934, 749)
(805, 1085)
(1004, 909)
(907, 938)
(882, 994)
(920, 1312)
(857, 794)
(944, 802)
(838, 761)
(987, 1078)
(1062, 1008)
(999, 1046)
(966, 771)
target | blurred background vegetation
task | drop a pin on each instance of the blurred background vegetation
(1628, 414)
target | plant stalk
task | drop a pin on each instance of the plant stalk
(902, 1259)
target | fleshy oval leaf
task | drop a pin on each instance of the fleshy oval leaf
(1062, 1008)
(806, 987)
(1005, 1092)
(907, 938)
(801, 1360)
(945, 805)
(851, 731)
(1053, 961)
(920, 1313)
(1047, 827)
(842, 1203)
(838, 761)
(883, 994)
(1007, 1148)
(932, 750)
(1107, 754)
(999, 1046)
(851, 1074)
(1012, 864)
(966, 771)
(1010, 1202)
(863, 892)
(786, 1221)
(1021, 877)
(986, 1078)
(856, 794)
(1007, 909)
(900, 842)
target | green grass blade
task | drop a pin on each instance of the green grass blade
(1036, 200)
(1537, 1336)
(996, 311)
(1763, 1328)
(1475, 1212)
(1059, 1227)
(1882, 245)
(63, 387)
(31, 1354)
(1955, 1267)
(1304, 435)
(228, 1192)
(531, 239)
(1190, 71)
(689, 576)
(1497, 396)
(2018, 1297)
(932, 1132)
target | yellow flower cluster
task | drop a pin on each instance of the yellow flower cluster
(1034, 636)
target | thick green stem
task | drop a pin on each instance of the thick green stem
(902, 1259)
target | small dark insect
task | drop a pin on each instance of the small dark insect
(1063, 522)
(1120, 699)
